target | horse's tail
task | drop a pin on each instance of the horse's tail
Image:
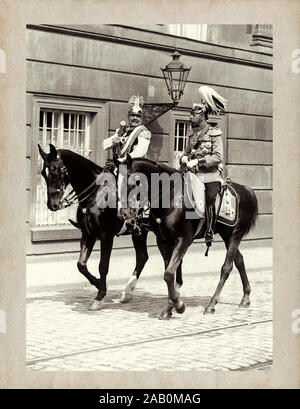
(248, 210)
(75, 224)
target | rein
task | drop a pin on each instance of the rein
(71, 198)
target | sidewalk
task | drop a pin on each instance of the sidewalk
(50, 272)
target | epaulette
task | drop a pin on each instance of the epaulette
(214, 131)
(145, 133)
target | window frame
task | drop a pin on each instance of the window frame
(182, 30)
(174, 137)
(62, 135)
(98, 127)
(61, 129)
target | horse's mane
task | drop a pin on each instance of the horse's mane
(80, 161)
(158, 166)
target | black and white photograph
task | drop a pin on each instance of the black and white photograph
(149, 187)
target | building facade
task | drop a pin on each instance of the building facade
(79, 80)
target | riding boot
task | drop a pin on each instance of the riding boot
(209, 234)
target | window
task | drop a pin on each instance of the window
(77, 124)
(64, 129)
(180, 141)
(194, 31)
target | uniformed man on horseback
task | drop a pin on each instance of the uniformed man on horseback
(134, 138)
(204, 151)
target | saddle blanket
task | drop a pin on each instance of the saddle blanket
(227, 206)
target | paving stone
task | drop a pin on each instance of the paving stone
(58, 322)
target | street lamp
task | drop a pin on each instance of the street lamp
(175, 74)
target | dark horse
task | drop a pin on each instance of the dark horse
(62, 167)
(175, 233)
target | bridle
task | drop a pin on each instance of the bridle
(72, 197)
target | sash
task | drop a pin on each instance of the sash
(131, 139)
(199, 136)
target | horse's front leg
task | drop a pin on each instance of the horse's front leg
(86, 247)
(141, 257)
(181, 245)
(166, 251)
(106, 247)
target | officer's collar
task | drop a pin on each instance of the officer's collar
(200, 129)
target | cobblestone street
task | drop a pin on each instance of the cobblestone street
(63, 335)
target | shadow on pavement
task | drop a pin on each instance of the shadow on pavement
(144, 302)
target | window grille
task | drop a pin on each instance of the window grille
(180, 141)
(65, 130)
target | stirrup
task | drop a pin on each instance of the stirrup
(209, 236)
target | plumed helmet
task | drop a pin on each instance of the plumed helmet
(213, 102)
(136, 105)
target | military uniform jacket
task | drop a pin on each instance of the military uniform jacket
(208, 163)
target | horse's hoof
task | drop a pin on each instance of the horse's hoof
(180, 308)
(244, 304)
(165, 315)
(125, 298)
(209, 310)
(96, 305)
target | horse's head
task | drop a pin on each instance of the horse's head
(56, 177)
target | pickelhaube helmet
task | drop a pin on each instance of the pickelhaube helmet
(136, 105)
(210, 101)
